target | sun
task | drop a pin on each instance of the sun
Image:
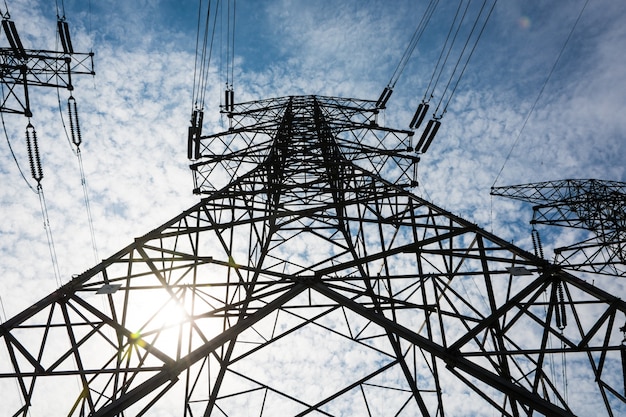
(161, 323)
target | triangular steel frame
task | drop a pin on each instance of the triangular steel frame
(310, 285)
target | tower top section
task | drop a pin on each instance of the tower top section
(287, 136)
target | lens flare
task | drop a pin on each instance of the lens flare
(524, 22)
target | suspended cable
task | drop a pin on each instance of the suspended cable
(6, 135)
(3, 315)
(434, 124)
(480, 34)
(458, 79)
(230, 48)
(77, 140)
(422, 108)
(543, 87)
(430, 9)
(37, 174)
(207, 62)
(48, 228)
(203, 55)
(232, 67)
(74, 139)
(195, 64)
(201, 73)
(386, 94)
(62, 9)
(6, 15)
(623, 355)
(429, 94)
(83, 181)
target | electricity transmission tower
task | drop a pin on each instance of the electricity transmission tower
(309, 281)
(594, 205)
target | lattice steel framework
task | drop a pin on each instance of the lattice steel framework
(595, 205)
(310, 285)
(21, 68)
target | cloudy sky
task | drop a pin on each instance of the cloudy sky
(135, 112)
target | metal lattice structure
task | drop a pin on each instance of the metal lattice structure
(595, 205)
(307, 284)
(21, 68)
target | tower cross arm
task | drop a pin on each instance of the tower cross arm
(37, 68)
(44, 68)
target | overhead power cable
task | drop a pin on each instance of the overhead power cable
(433, 125)
(76, 138)
(430, 9)
(467, 60)
(419, 30)
(204, 51)
(543, 87)
(430, 92)
(62, 15)
(230, 50)
(37, 174)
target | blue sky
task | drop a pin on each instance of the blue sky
(134, 113)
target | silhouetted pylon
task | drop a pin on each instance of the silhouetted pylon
(303, 283)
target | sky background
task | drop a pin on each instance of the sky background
(135, 112)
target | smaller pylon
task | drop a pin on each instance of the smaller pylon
(595, 205)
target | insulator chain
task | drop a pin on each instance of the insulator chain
(429, 133)
(623, 355)
(537, 243)
(33, 153)
(74, 124)
(559, 309)
(562, 306)
(229, 100)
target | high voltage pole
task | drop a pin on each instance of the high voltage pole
(309, 280)
(597, 206)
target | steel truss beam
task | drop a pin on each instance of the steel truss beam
(310, 285)
(37, 68)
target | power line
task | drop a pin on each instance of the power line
(426, 94)
(419, 30)
(468, 58)
(543, 87)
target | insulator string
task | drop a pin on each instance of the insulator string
(537, 243)
(74, 123)
(561, 305)
(33, 153)
(72, 110)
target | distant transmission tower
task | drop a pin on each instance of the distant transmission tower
(594, 205)
(304, 283)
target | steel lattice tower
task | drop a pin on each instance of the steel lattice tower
(303, 283)
(598, 206)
